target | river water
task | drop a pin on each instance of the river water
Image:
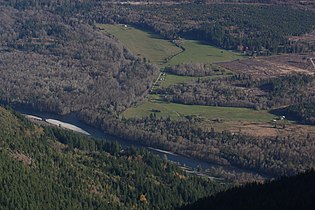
(72, 119)
(99, 134)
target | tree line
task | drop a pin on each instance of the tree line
(47, 167)
(284, 193)
(62, 65)
(266, 155)
(195, 69)
(239, 27)
(303, 112)
(244, 91)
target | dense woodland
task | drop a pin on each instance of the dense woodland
(273, 156)
(256, 29)
(286, 193)
(54, 59)
(195, 69)
(244, 91)
(302, 112)
(60, 65)
(50, 168)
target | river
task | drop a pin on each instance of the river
(73, 121)
(99, 134)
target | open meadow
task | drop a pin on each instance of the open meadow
(143, 43)
(156, 105)
(165, 53)
(199, 52)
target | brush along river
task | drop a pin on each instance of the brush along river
(72, 122)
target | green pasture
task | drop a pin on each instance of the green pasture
(172, 79)
(163, 52)
(198, 52)
(176, 111)
(143, 43)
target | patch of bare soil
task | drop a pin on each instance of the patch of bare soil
(280, 65)
(270, 130)
(308, 38)
(59, 146)
(262, 129)
(23, 158)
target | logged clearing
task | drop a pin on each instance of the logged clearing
(306, 38)
(143, 43)
(265, 67)
(260, 129)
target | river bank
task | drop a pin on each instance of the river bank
(199, 167)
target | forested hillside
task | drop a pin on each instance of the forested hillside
(256, 29)
(48, 168)
(272, 155)
(53, 58)
(58, 64)
(245, 91)
(303, 112)
(291, 193)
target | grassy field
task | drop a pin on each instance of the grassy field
(198, 52)
(171, 79)
(143, 43)
(152, 46)
(177, 111)
(158, 50)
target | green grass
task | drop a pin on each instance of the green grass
(153, 47)
(172, 79)
(157, 50)
(198, 52)
(143, 43)
(177, 111)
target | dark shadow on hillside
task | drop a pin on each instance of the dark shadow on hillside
(289, 115)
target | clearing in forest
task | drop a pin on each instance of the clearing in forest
(165, 53)
(199, 52)
(274, 66)
(177, 111)
(143, 43)
(172, 79)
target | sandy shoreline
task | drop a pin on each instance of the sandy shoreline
(162, 151)
(59, 123)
